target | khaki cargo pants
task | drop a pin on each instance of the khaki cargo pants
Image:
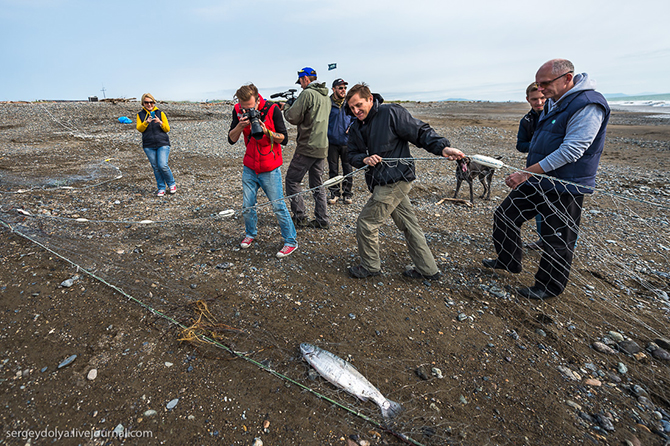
(391, 200)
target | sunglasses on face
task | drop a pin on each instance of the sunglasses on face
(149, 102)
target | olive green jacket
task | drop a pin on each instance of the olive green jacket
(310, 114)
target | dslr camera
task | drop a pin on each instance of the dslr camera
(288, 94)
(254, 117)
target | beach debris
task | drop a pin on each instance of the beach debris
(487, 161)
(345, 376)
(125, 120)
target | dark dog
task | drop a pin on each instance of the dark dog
(469, 170)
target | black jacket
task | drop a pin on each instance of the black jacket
(387, 132)
(526, 130)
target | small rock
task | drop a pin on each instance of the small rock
(615, 335)
(663, 343)
(568, 373)
(191, 417)
(621, 368)
(605, 422)
(434, 407)
(118, 430)
(661, 354)
(666, 426)
(352, 316)
(422, 373)
(436, 373)
(67, 283)
(364, 443)
(266, 424)
(463, 400)
(150, 413)
(586, 417)
(639, 391)
(68, 361)
(613, 377)
(541, 332)
(257, 442)
(592, 382)
(573, 405)
(92, 374)
(629, 347)
(171, 405)
(168, 364)
(224, 265)
(462, 316)
(602, 348)
(640, 356)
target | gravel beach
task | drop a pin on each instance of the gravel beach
(122, 312)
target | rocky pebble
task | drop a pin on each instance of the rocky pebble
(602, 348)
(68, 361)
(92, 374)
(568, 373)
(615, 335)
(172, 404)
(630, 347)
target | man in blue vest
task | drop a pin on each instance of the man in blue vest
(567, 145)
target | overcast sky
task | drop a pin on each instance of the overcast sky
(422, 50)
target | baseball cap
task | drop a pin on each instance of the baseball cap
(339, 81)
(307, 71)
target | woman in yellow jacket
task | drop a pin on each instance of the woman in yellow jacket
(153, 125)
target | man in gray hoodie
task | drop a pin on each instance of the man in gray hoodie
(566, 149)
(310, 114)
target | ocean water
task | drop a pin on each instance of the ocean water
(657, 103)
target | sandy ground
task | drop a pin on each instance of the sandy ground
(470, 362)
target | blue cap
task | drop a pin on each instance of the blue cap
(307, 71)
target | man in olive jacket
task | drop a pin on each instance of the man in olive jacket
(384, 131)
(310, 114)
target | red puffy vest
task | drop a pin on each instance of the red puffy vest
(261, 155)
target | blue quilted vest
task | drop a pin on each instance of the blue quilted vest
(549, 135)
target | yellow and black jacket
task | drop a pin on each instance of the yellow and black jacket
(154, 135)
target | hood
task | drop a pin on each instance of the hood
(318, 87)
(582, 82)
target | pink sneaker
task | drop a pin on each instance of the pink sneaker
(246, 242)
(286, 251)
(173, 189)
(160, 193)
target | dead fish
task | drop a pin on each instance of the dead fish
(345, 376)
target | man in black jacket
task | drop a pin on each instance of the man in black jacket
(384, 131)
(529, 122)
(525, 134)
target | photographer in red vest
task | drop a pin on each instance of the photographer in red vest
(264, 131)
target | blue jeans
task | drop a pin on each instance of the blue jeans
(159, 162)
(271, 183)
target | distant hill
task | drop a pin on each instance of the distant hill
(640, 97)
